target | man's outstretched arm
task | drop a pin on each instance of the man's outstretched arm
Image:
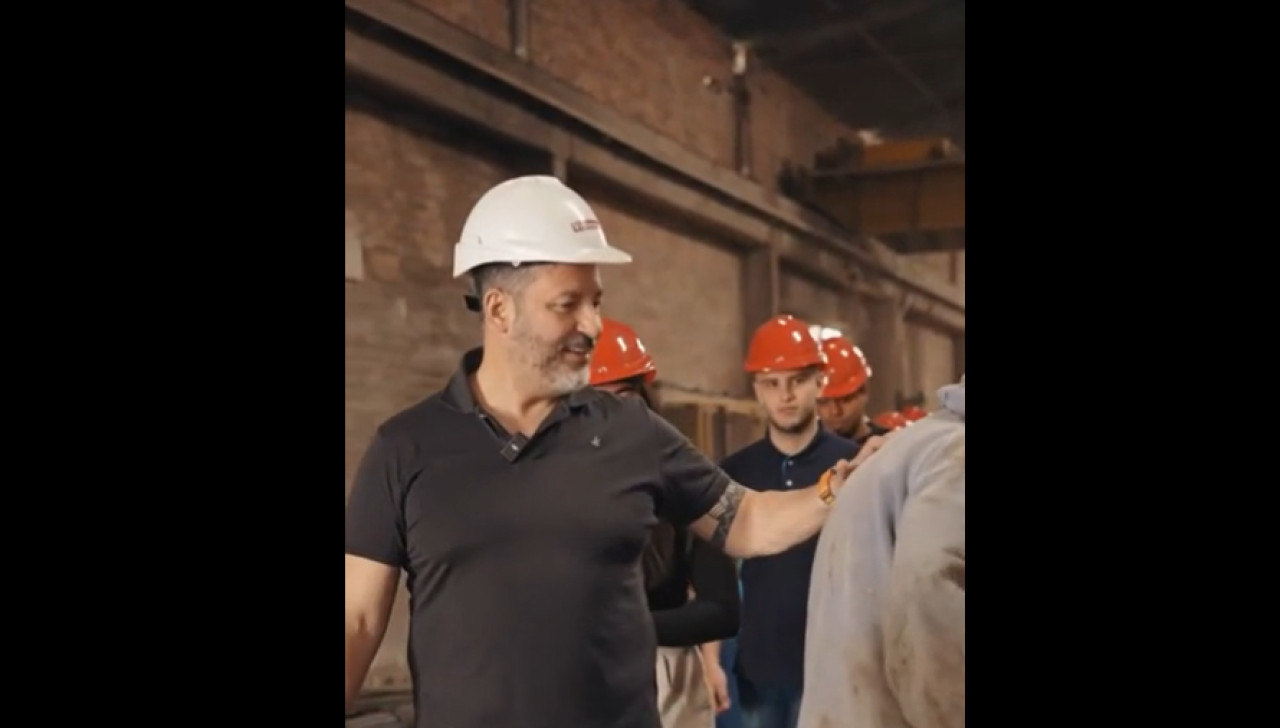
(746, 523)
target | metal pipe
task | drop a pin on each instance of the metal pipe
(741, 96)
(518, 14)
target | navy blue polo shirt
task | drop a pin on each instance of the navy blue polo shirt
(775, 589)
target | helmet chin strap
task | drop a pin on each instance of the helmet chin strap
(472, 298)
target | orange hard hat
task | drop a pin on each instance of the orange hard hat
(913, 413)
(890, 420)
(847, 368)
(620, 355)
(782, 343)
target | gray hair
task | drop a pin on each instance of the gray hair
(504, 277)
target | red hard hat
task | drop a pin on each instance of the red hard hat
(890, 420)
(913, 413)
(782, 343)
(620, 355)
(847, 368)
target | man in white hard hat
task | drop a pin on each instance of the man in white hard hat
(885, 635)
(518, 499)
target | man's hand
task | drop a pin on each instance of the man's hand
(718, 684)
(841, 471)
(873, 443)
(773, 521)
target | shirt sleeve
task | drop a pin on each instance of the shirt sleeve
(924, 615)
(714, 611)
(375, 519)
(691, 483)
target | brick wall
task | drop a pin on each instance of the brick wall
(682, 294)
(647, 59)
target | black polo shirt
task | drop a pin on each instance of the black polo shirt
(528, 607)
(775, 589)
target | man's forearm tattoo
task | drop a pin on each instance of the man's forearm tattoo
(724, 512)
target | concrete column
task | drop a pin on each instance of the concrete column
(761, 294)
(885, 348)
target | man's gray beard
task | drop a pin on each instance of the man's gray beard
(555, 378)
(562, 381)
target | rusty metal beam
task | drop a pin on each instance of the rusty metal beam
(924, 201)
(497, 63)
(912, 189)
(939, 241)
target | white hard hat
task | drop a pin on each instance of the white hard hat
(533, 219)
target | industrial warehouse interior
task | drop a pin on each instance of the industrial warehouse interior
(767, 202)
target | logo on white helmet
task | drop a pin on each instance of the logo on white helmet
(581, 226)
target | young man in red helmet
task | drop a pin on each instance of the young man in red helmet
(787, 368)
(692, 686)
(843, 402)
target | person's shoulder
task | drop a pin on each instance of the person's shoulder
(415, 421)
(923, 445)
(943, 434)
(839, 446)
(629, 415)
(610, 406)
(746, 455)
(602, 400)
(932, 451)
(939, 430)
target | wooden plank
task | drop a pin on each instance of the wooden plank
(672, 396)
